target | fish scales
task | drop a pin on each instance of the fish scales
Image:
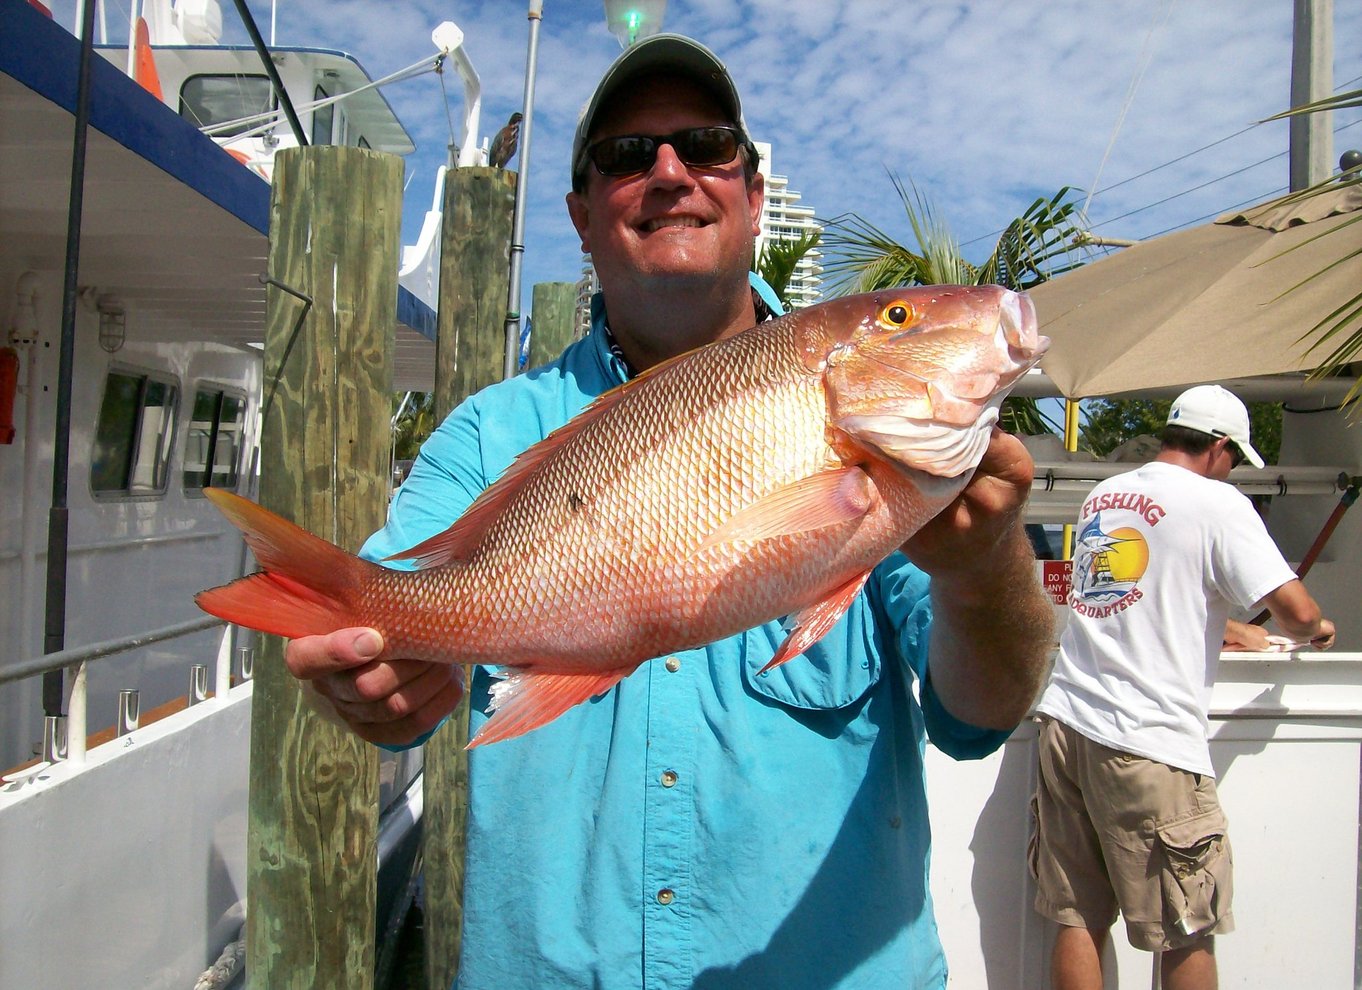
(602, 538)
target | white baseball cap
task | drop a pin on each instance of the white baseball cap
(1217, 411)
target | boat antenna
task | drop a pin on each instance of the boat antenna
(1146, 56)
(279, 92)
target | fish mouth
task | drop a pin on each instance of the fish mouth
(927, 445)
(1018, 326)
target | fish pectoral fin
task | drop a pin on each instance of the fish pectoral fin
(811, 624)
(526, 699)
(824, 499)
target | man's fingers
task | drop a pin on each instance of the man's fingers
(391, 691)
(347, 679)
(1006, 459)
(372, 681)
(402, 731)
(311, 657)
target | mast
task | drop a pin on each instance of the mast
(1312, 78)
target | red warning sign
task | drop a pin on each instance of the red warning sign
(1056, 575)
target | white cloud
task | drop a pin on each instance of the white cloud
(985, 105)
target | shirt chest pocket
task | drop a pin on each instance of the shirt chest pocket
(833, 673)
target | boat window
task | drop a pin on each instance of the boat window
(134, 434)
(322, 118)
(208, 100)
(212, 449)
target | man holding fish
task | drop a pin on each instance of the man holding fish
(748, 808)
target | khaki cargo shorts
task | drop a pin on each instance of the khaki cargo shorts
(1114, 830)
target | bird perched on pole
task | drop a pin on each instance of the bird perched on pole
(504, 144)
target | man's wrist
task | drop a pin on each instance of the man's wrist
(982, 579)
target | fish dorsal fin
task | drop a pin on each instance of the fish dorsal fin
(459, 541)
(823, 499)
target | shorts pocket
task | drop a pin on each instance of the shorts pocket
(1195, 872)
(1033, 839)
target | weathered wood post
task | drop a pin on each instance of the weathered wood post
(470, 352)
(335, 218)
(554, 325)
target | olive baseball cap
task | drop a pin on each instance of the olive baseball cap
(672, 53)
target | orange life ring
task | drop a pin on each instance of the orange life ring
(245, 159)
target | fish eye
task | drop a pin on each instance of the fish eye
(897, 314)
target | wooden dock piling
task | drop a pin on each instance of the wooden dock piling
(554, 314)
(470, 353)
(335, 218)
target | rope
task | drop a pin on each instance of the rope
(269, 118)
(230, 963)
(449, 116)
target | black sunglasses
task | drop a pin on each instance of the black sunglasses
(1236, 455)
(633, 153)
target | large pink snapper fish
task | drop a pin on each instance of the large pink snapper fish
(761, 476)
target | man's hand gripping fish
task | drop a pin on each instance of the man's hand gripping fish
(761, 476)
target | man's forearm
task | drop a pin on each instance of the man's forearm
(992, 635)
(1295, 611)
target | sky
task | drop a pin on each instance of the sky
(1147, 109)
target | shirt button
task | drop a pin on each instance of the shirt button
(666, 895)
(673, 665)
(668, 778)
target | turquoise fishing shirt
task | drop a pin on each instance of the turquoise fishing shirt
(700, 825)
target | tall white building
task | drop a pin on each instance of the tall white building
(782, 219)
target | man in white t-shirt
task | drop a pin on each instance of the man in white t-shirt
(1126, 809)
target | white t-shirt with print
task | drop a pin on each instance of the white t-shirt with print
(1161, 555)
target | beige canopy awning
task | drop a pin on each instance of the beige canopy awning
(1229, 299)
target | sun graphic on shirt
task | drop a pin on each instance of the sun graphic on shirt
(1127, 554)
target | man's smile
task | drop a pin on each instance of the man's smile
(662, 223)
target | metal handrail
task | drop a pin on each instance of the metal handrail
(96, 651)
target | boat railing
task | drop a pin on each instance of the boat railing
(1059, 487)
(65, 736)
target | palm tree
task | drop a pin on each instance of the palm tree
(779, 259)
(1034, 247)
(413, 422)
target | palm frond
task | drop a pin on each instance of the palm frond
(1346, 318)
(860, 257)
(1339, 101)
(1036, 246)
(779, 259)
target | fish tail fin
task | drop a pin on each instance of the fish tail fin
(524, 699)
(306, 587)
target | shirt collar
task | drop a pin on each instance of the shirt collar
(599, 318)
